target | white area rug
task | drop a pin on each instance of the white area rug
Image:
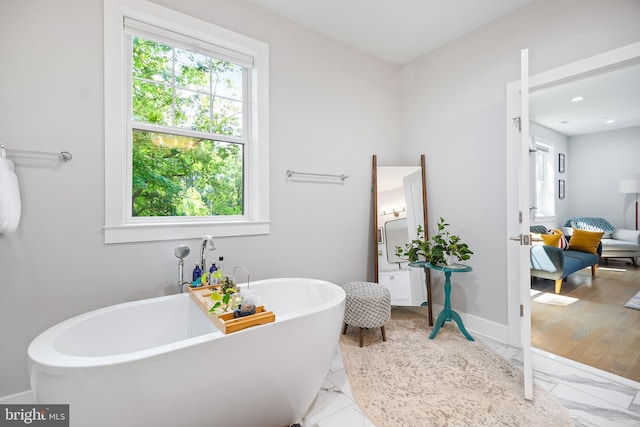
(634, 302)
(410, 380)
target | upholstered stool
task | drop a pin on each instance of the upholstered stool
(367, 305)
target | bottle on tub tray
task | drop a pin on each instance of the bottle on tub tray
(196, 276)
(213, 276)
(221, 265)
(215, 272)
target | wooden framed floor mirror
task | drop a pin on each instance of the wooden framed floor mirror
(399, 207)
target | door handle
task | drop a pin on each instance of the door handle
(522, 238)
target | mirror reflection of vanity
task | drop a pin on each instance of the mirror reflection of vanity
(399, 207)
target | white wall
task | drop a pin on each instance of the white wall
(598, 162)
(453, 111)
(331, 108)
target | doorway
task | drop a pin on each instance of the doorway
(597, 65)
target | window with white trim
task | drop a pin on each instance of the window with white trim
(186, 135)
(544, 180)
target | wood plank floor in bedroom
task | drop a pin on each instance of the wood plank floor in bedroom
(588, 322)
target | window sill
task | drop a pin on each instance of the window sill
(538, 219)
(130, 233)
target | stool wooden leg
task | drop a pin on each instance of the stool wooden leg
(344, 330)
(384, 334)
(361, 336)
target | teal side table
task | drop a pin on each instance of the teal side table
(446, 315)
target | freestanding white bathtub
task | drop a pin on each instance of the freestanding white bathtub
(160, 362)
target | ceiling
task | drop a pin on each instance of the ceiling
(397, 31)
(400, 31)
(613, 95)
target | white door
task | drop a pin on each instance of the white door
(518, 275)
(412, 185)
(524, 221)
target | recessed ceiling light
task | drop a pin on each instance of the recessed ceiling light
(609, 121)
(577, 99)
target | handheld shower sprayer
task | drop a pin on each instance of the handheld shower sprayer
(181, 252)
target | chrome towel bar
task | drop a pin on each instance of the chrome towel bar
(342, 177)
(63, 156)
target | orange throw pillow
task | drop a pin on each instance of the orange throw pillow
(585, 241)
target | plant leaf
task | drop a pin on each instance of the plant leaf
(216, 305)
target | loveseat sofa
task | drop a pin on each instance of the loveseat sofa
(616, 242)
(553, 263)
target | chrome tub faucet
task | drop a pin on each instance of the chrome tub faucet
(207, 242)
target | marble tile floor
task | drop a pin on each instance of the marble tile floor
(592, 397)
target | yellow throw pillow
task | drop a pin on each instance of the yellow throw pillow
(562, 244)
(551, 239)
(585, 241)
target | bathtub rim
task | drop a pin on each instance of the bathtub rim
(42, 351)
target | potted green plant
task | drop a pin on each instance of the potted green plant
(443, 248)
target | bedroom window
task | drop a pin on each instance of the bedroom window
(544, 181)
(186, 139)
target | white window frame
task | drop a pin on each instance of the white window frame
(541, 214)
(119, 226)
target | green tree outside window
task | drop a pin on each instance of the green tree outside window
(175, 91)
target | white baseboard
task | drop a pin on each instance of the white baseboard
(24, 398)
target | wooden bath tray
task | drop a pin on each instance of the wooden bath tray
(226, 322)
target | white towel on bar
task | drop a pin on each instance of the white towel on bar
(10, 207)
